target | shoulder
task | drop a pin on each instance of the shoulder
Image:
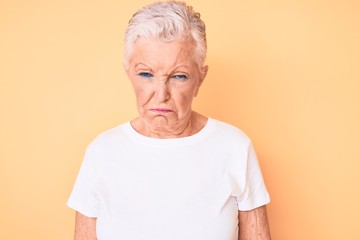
(229, 132)
(111, 137)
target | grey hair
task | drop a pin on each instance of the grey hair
(167, 21)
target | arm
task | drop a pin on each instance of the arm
(85, 227)
(253, 224)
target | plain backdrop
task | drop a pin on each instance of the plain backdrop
(284, 71)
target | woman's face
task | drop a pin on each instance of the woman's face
(165, 79)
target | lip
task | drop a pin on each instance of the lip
(161, 110)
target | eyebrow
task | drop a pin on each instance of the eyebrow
(174, 69)
(136, 65)
(184, 66)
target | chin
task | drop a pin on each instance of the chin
(160, 121)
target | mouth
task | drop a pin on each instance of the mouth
(161, 110)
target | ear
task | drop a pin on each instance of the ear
(126, 67)
(203, 73)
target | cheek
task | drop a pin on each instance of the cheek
(185, 98)
(141, 91)
(141, 98)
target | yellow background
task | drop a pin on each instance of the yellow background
(286, 72)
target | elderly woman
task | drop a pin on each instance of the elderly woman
(171, 173)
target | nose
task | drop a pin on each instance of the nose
(162, 91)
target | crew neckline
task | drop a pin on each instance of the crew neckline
(169, 142)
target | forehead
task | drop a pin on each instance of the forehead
(158, 54)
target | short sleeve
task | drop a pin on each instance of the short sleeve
(253, 192)
(83, 197)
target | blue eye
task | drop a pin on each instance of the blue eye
(145, 75)
(180, 77)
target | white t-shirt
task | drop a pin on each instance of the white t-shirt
(190, 188)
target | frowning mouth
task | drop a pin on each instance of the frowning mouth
(161, 110)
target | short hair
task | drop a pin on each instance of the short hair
(167, 21)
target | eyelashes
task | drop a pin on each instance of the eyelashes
(145, 75)
(180, 77)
